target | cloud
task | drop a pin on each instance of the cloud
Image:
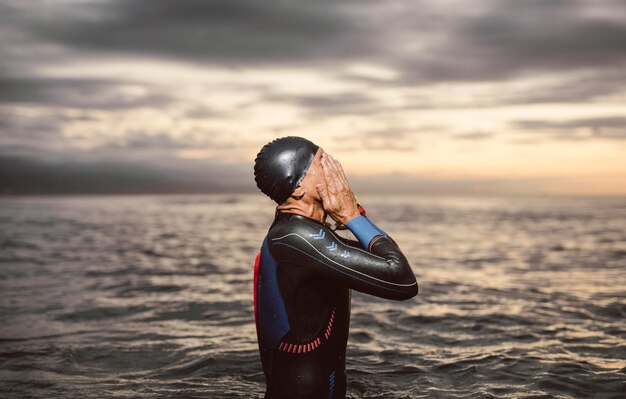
(31, 133)
(474, 136)
(54, 133)
(578, 129)
(583, 87)
(210, 31)
(501, 39)
(27, 175)
(387, 134)
(431, 42)
(80, 93)
(143, 81)
(346, 103)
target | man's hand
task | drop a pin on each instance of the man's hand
(337, 198)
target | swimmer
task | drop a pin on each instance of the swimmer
(304, 273)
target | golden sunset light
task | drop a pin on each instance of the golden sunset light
(304, 199)
(469, 98)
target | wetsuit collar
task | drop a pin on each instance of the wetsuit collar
(286, 215)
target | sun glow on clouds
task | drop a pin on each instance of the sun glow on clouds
(473, 95)
(450, 141)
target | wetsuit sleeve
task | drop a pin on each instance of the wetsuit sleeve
(381, 270)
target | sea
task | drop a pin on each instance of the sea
(151, 297)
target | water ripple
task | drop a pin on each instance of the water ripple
(151, 297)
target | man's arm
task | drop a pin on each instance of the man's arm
(381, 270)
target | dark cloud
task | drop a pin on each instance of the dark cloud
(606, 127)
(22, 175)
(36, 134)
(579, 89)
(80, 93)
(165, 141)
(144, 141)
(346, 103)
(424, 43)
(530, 51)
(503, 39)
(42, 134)
(216, 30)
(26, 175)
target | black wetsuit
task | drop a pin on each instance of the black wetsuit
(302, 283)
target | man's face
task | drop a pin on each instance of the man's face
(314, 176)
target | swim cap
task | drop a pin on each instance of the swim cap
(281, 165)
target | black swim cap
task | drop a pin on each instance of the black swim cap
(281, 165)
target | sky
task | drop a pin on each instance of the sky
(513, 97)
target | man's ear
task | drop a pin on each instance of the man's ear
(298, 193)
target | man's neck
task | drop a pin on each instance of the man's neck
(310, 210)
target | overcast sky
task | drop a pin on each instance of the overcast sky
(504, 96)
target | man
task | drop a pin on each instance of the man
(304, 272)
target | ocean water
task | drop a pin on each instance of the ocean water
(151, 297)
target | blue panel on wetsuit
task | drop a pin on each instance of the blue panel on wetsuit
(273, 321)
(364, 230)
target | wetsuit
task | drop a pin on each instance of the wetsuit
(302, 281)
